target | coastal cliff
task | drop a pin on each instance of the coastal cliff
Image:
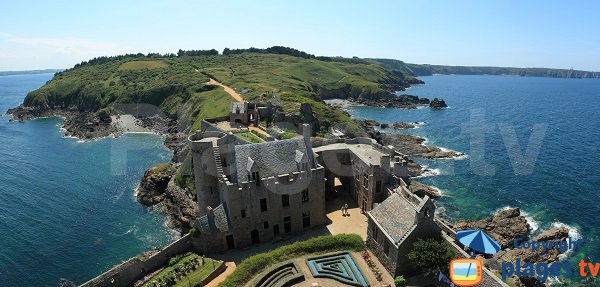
(418, 70)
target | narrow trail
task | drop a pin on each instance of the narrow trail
(228, 90)
(230, 268)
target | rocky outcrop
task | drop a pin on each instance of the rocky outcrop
(402, 102)
(82, 125)
(158, 188)
(154, 183)
(179, 206)
(504, 227)
(437, 103)
(421, 190)
(404, 125)
(372, 123)
(413, 145)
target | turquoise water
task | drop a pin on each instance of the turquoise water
(562, 187)
(67, 209)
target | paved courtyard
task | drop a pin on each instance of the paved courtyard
(337, 223)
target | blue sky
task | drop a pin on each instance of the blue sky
(59, 34)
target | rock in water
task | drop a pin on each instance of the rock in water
(403, 125)
(437, 103)
(421, 190)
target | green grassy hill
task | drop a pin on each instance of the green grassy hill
(176, 84)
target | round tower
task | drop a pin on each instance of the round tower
(206, 163)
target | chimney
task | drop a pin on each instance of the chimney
(307, 133)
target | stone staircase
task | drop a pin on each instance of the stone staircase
(218, 163)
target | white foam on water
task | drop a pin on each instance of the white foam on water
(429, 172)
(533, 224)
(573, 232)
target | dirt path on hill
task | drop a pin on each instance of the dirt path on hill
(228, 90)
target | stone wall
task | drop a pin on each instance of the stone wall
(128, 272)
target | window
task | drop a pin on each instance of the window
(304, 166)
(357, 176)
(386, 247)
(224, 162)
(287, 224)
(263, 205)
(378, 186)
(365, 180)
(305, 195)
(266, 225)
(375, 232)
(305, 219)
(285, 200)
(256, 177)
(243, 213)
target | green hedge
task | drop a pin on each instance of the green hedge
(252, 266)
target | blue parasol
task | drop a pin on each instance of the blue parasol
(478, 241)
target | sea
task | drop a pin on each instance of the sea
(531, 143)
(67, 207)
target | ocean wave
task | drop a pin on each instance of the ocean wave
(427, 172)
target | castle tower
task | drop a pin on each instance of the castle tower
(206, 166)
(401, 167)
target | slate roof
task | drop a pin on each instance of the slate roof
(236, 105)
(395, 215)
(220, 222)
(272, 158)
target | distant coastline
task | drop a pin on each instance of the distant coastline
(30, 72)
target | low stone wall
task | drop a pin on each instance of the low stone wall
(128, 272)
(220, 269)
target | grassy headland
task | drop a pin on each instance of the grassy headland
(177, 83)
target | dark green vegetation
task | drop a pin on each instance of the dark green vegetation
(176, 83)
(399, 281)
(428, 70)
(431, 255)
(183, 270)
(260, 262)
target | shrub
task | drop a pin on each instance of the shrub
(322, 244)
(400, 281)
(431, 255)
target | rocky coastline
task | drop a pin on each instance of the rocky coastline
(507, 225)
(400, 102)
(408, 144)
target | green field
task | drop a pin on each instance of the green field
(249, 137)
(140, 65)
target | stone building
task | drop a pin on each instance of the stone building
(251, 193)
(249, 113)
(395, 224)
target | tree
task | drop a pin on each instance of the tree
(400, 281)
(431, 255)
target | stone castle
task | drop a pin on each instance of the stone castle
(253, 193)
